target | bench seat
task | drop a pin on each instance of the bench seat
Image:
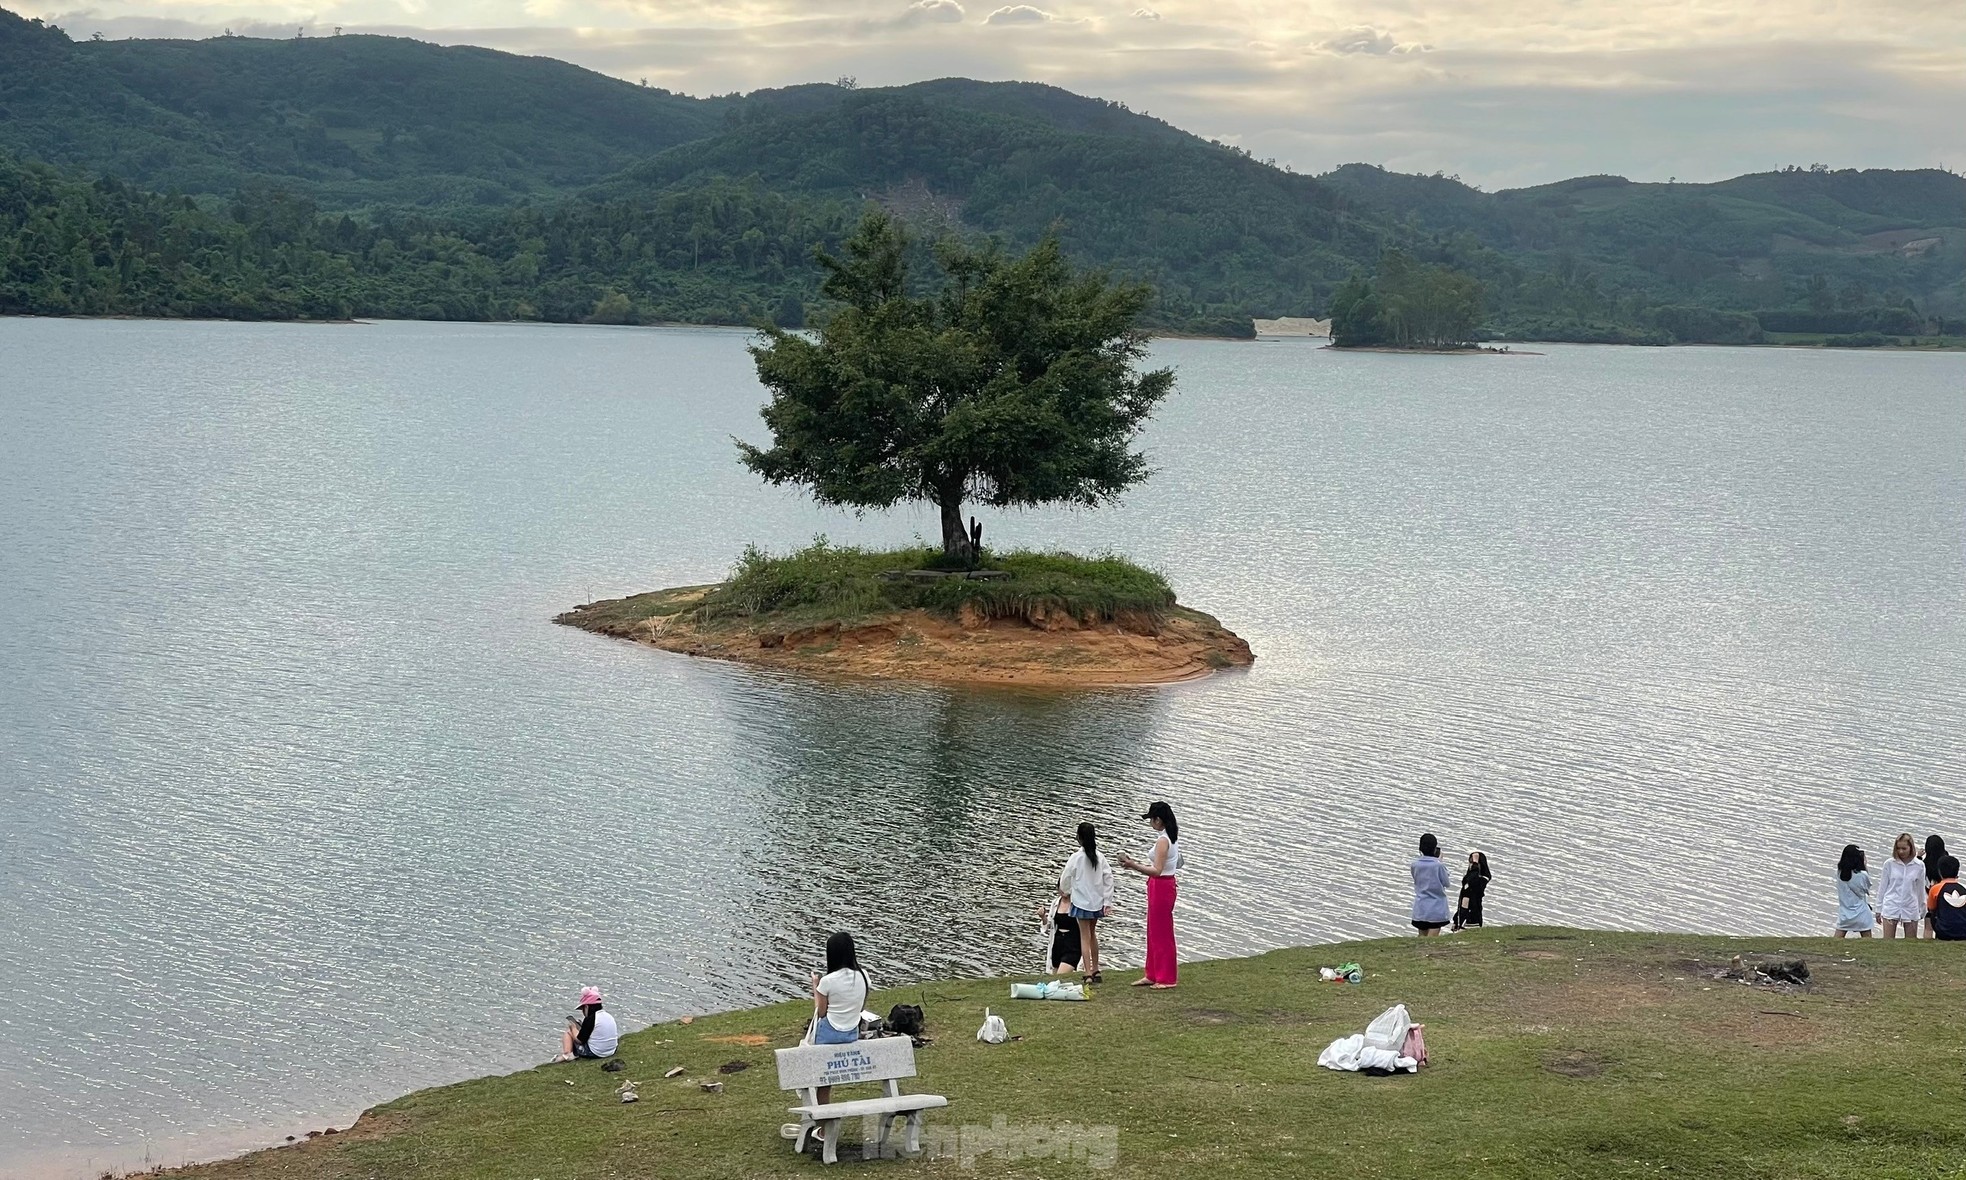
(862, 1107)
(885, 1060)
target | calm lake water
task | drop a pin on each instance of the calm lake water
(304, 803)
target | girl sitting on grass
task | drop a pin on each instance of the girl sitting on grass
(592, 1034)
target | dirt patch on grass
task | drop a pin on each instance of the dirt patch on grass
(1762, 1028)
(1539, 955)
(1576, 1063)
(920, 645)
(1211, 1016)
(748, 1040)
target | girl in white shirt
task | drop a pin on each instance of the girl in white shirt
(1901, 890)
(592, 1034)
(1087, 883)
(837, 998)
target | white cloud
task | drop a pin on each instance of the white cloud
(1019, 14)
(943, 12)
(1145, 14)
(1364, 40)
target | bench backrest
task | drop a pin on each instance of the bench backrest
(881, 1059)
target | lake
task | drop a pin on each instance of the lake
(304, 802)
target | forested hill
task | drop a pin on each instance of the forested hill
(350, 121)
(1758, 241)
(383, 176)
(1208, 226)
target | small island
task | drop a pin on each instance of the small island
(1409, 306)
(1015, 383)
(1037, 620)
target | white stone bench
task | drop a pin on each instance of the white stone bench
(883, 1059)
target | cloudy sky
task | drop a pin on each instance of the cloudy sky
(1499, 92)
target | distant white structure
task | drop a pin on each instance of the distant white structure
(1293, 326)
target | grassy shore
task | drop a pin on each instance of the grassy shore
(1557, 1053)
(825, 583)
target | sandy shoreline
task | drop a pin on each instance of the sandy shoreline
(1051, 652)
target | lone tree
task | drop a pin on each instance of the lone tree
(1015, 384)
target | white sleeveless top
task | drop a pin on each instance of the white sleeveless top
(1173, 867)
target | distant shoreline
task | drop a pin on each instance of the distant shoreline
(1945, 344)
(1471, 350)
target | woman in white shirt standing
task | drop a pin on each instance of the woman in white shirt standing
(838, 998)
(1901, 890)
(1160, 870)
(1087, 883)
(1853, 912)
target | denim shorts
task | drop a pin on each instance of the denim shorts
(1086, 915)
(823, 1033)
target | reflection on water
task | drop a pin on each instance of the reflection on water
(935, 832)
(305, 804)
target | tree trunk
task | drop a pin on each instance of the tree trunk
(955, 535)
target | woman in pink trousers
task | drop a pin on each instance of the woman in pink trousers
(1160, 872)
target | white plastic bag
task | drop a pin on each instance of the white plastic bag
(1056, 989)
(1349, 1054)
(1342, 1054)
(1388, 1029)
(993, 1031)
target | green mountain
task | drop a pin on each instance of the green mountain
(1758, 241)
(349, 121)
(384, 176)
(1213, 230)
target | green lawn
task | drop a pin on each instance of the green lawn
(1556, 1053)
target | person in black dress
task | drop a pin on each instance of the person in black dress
(1065, 952)
(1474, 883)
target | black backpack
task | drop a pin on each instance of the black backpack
(1949, 915)
(906, 1020)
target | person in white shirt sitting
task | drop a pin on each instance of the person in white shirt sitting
(837, 998)
(1087, 883)
(592, 1034)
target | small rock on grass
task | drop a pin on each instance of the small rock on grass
(676, 1072)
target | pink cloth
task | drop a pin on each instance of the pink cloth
(1161, 965)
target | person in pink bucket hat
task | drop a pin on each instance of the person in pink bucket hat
(592, 1034)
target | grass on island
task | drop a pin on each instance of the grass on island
(826, 583)
(1556, 1053)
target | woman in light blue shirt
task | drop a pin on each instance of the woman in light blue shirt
(1429, 888)
(1853, 912)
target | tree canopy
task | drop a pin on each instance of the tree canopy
(1013, 383)
(1408, 305)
